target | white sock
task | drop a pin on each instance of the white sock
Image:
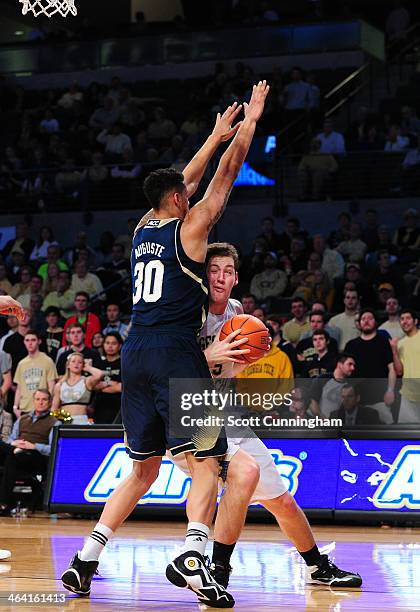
(196, 538)
(95, 543)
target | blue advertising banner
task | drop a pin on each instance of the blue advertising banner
(320, 473)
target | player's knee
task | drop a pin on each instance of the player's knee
(144, 473)
(287, 504)
(246, 474)
(203, 466)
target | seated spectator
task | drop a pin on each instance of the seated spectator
(90, 322)
(98, 343)
(299, 324)
(12, 323)
(354, 248)
(16, 265)
(271, 282)
(40, 251)
(38, 322)
(318, 321)
(35, 288)
(397, 22)
(270, 239)
(370, 231)
(128, 168)
(28, 446)
(53, 335)
(35, 371)
(76, 338)
(386, 272)
(73, 392)
(50, 283)
(22, 287)
(321, 360)
(326, 392)
(5, 284)
(298, 257)
(321, 290)
(296, 94)
(106, 116)
(345, 321)
(83, 280)
(108, 397)
(21, 242)
(49, 124)
(80, 250)
(161, 128)
(115, 141)
(395, 141)
(407, 237)
(332, 261)
(97, 173)
(113, 322)
(259, 313)
(53, 257)
(374, 362)
(315, 171)
(331, 142)
(68, 179)
(351, 412)
(354, 278)
(71, 97)
(392, 324)
(63, 297)
(249, 303)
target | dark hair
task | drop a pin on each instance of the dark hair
(342, 357)
(268, 219)
(119, 245)
(298, 299)
(52, 310)
(83, 294)
(38, 276)
(251, 295)
(293, 220)
(411, 312)
(368, 310)
(322, 332)
(159, 183)
(32, 332)
(113, 304)
(222, 249)
(351, 386)
(115, 335)
(318, 313)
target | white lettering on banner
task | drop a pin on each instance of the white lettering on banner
(171, 486)
(401, 485)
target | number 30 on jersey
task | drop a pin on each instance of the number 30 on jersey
(148, 281)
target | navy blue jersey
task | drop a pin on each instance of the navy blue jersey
(168, 286)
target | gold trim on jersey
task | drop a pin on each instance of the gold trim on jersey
(186, 270)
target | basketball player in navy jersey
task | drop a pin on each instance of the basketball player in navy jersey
(169, 308)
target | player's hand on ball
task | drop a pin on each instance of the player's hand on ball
(227, 350)
(255, 108)
(223, 128)
(9, 306)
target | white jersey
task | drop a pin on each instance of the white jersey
(211, 328)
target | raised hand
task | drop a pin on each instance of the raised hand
(223, 128)
(9, 306)
(255, 108)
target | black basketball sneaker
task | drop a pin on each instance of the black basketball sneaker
(189, 571)
(78, 575)
(328, 573)
(220, 572)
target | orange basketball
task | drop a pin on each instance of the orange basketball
(251, 328)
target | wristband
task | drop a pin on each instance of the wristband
(389, 390)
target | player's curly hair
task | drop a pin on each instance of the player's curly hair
(159, 183)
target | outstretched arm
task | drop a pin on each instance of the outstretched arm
(202, 217)
(222, 131)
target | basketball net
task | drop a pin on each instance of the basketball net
(48, 7)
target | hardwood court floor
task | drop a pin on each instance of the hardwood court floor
(268, 574)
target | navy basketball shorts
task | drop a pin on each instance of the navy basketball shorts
(148, 361)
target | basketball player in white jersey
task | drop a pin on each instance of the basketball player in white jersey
(248, 456)
(9, 306)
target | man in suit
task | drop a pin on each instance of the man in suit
(351, 412)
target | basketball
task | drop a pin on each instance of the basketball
(251, 328)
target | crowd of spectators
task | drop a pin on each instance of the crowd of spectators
(339, 308)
